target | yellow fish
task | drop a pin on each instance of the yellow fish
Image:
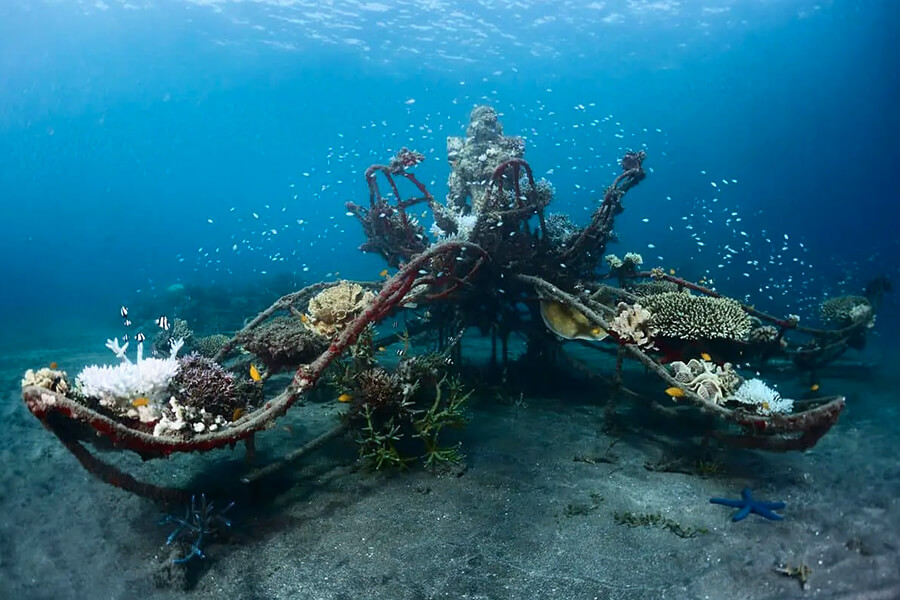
(254, 373)
(305, 319)
(384, 273)
(814, 387)
(140, 402)
(237, 414)
(671, 271)
(705, 356)
(381, 348)
(675, 392)
(345, 398)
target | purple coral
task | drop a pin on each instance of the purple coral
(203, 384)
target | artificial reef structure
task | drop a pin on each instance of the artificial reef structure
(495, 262)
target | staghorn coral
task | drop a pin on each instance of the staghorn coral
(633, 325)
(712, 382)
(283, 343)
(332, 308)
(688, 317)
(50, 379)
(844, 311)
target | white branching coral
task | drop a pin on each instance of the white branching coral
(632, 325)
(123, 388)
(755, 395)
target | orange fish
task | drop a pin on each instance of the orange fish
(305, 319)
(814, 387)
(54, 365)
(705, 356)
(675, 392)
(254, 373)
(140, 402)
(384, 273)
(237, 414)
(345, 398)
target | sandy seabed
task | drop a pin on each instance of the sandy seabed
(529, 515)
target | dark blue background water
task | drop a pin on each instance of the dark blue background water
(124, 131)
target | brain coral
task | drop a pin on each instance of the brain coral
(688, 317)
(334, 307)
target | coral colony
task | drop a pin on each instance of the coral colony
(495, 262)
(120, 387)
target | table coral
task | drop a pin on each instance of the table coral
(688, 317)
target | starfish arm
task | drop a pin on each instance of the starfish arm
(772, 505)
(728, 502)
(765, 512)
(742, 514)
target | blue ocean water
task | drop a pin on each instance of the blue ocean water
(147, 145)
(139, 138)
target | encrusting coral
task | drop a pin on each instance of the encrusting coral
(283, 342)
(475, 157)
(334, 307)
(688, 317)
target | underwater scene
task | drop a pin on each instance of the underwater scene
(432, 300)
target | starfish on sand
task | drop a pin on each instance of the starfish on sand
(748, 504)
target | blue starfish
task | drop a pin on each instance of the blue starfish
(748, 504)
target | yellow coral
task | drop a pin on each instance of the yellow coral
(333, 308)
(568, 323)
